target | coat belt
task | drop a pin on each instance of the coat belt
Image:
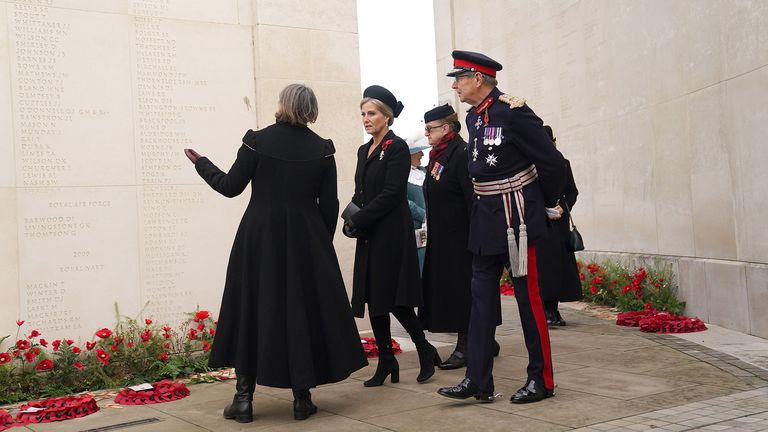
(511, 189)
(508, 185)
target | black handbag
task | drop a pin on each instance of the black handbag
(575, 243)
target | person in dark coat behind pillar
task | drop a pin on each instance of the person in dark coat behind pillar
(517, 174)
(447, 272)
(386, 271)
(285, 319)
(558, 273)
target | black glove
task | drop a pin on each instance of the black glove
(350, 230)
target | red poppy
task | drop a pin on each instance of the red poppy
(212, 332)
(4, 358)
(103, 356)
(114, 347)
(201, 315)
(76, 350)
(30, 356)
(22, 344)
(15, 353)
(166, 329)
(130, 344)
(192, 334)
(69, 341)
(164, 356)
(386, 144)
(148, 321)
(104, 333)
(146, 335)
(44, 365)
(593, 289)
(90, 345)
(206, 345)
(34, 334)
(19, 323)
(56, 344)
(43, 342)
(78, 365)
(201, 327)
(167, 345)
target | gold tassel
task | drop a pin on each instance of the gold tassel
(514, 256)
(523, 251)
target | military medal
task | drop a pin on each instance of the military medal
(474, 152)
(437, 170)
(478, 123)
(491, 159)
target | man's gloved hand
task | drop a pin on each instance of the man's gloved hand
(350, 230)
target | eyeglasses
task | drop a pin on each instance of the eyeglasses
(428, 129)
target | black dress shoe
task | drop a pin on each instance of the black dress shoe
(532, 391)
(457, 360)
(464, 390)
(559, 318)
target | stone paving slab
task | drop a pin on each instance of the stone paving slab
(609, 378)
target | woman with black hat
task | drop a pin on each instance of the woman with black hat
(386, 274)
(448, 263)
(285, 319)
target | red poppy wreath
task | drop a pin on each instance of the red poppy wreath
(159, 392)
(56, 409)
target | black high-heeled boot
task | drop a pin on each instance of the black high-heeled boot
(302, 405)
(387, 365)
(428, 359)
(241, 409)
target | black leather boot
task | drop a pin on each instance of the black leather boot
(302, 405)
(387, 365)
(241, 409)
(428, 359)
(496, 348)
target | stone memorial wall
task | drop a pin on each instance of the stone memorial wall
(98, 205)
(661, 108)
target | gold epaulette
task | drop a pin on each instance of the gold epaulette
(512, 101)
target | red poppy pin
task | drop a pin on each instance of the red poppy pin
(384, 147)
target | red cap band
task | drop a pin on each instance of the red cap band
(468, 64)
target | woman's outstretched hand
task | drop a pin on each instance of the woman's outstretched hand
(192, 155)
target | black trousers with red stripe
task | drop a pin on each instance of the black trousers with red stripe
(486, 272)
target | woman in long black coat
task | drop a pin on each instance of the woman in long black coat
(386, 273)
(558, 274)
(447, 272)
(285, 319)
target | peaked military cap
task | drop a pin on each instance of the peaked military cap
(386, 97)
(438, 113)
(468, 61)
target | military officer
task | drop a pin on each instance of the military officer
(516, 174)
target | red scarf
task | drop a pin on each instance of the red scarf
(439, 149)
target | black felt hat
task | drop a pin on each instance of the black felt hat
(386, 97)
(437, 113)
(468, 61)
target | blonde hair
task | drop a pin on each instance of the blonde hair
(297, 105)
(382, 107)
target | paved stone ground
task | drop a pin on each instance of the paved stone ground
(609, 378)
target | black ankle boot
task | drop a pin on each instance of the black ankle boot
(428, 359)
(302, 405)
(387, 365)
(496, 348)
(241, 409)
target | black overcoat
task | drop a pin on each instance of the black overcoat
(386, 270)
(447, 272)
(285, 315)
(558, 274)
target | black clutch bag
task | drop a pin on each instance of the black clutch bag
(349, 211)
(575, 243)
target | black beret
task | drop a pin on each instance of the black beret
(386, 97)
(438, 113)
(468, 61)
